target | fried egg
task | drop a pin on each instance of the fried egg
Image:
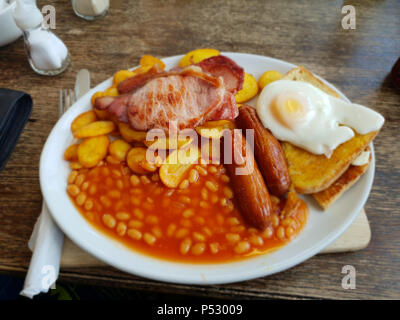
(307, 117)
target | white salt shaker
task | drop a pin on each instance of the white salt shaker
(90, 9)
(47, 54)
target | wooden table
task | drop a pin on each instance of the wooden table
(302, 32)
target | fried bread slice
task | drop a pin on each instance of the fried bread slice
(328, 196)
(311, 173)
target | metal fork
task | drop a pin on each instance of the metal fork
(47, 235)
(67, 99)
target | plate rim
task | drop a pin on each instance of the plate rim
(177, 278)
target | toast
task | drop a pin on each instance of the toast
(328, 196)
(311, 173)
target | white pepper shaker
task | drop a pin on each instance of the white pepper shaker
(47, 54)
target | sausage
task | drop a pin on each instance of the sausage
(249, 187)
(268, 152)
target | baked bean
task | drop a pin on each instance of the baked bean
(214, 247)
(148, 206)
(238, 229)
(178, 205)
(116, 173)
(92, 189)
(184, 199)
(123, 216)
(223, 202)
(125, 171)
(242, 247)
(211, 186)
(232, 237)
(105, 201)
(120, 184)
(157, 232)
(201, 170)
(109, 220)
(135, 181)
(280, 233)
(207, 231)
(145, 180)
(252, 230)
(151, 219)
(198, 248)
(171, 229)
(121, 228)
(256, 240)
(73, 190)
(135, 200)
(149, 200)
(72, 176)
(188, 213)
(267, 233)
(105, 171)
(136, 191)
(186, 223)
(228, 192)
(225, 178)
(134, 234)
(155, 177)
(275, 220)
(193, 176)
(90, 215)
(149, 238)
(199, 220)
(138, 213)
(204, 194)
(203, 204)
(181, 233)
(137, 224)
(81, 198)
(75, 165)
(198, 236)
(185, 246)
(79, 179)
(212, 169)
(289, 231)
(89, 204)
(184, 184)
(214, 199)
(229, 207)
(288, 222)
(169, 192)
(232, 221)
(114, 194)
(85, 185)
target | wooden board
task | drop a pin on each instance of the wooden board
(356, 237)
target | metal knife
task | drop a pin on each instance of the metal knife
(82, 84)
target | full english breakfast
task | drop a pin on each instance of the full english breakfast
(175, 164)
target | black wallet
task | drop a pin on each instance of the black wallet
(15, 109)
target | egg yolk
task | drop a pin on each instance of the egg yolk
(289, 110)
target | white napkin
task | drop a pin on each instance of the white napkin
(46, 245)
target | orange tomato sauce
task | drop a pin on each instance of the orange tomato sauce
(197, 222)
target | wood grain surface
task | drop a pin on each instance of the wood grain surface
(301, 32)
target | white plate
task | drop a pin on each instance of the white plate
(321, 230)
